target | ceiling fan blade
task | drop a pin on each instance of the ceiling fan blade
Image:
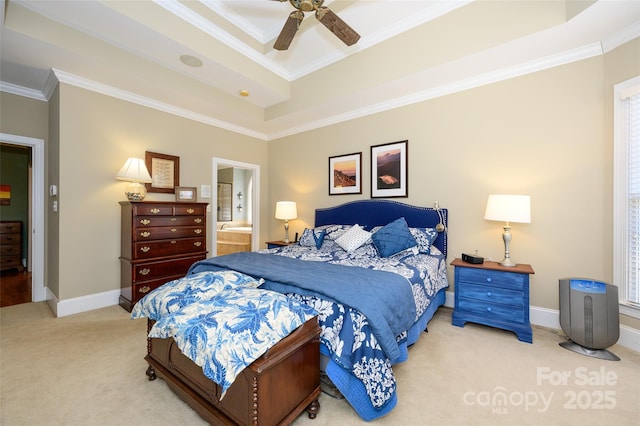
(337, 26)
(289, 30)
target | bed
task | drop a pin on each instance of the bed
(373, 272)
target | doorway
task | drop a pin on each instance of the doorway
(252, 195)
(36, 211)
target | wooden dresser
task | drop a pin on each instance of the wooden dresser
(11, 245)
(159, 242)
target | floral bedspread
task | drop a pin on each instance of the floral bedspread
(346, 332)
(228, 329)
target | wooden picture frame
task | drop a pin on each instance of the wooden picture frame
(186, 193)
(345, 174)
(389, 170)
(164, 170)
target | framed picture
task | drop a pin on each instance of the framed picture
(389, 170)
(186, 193)
(164, 170)
(345, 174)
(5, 195)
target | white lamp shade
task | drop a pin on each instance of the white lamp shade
(134, 170)
(509, 208)
(286, 210)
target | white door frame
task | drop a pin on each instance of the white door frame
(255, 196)
(38, 292)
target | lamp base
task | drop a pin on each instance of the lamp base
(135, 191)
(507, 262)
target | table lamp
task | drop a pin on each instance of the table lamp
(286, 210)
(508, 208)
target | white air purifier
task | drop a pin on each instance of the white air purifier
(589, 316)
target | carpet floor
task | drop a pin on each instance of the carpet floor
(88, 369)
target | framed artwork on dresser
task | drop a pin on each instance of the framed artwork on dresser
(389, 170)
(164, 170)
(186, 193)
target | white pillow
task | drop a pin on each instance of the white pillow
(353, 238)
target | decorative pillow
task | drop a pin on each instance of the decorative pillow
(332, 232)
(393, 238)
(353, 238)
(312, 237)
(424, 237)
(176, 294)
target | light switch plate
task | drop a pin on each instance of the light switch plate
(205, 191)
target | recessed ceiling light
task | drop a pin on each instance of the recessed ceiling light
(244, 93)
(191, 61)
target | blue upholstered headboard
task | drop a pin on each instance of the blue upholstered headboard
(370, 213)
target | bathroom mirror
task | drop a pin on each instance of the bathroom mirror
(224, 202)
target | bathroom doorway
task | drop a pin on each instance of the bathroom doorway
(236, 206)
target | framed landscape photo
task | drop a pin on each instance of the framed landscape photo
(164, 170)
(389, 170)
(186, 193)
(345, 174)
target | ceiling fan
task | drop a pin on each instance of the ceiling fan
(329, 19)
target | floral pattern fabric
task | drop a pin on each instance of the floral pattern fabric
(232, 329)
(345, 332)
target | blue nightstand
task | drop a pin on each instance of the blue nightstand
(276, 244)
(493, 295)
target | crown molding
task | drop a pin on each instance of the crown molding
(74, 80)
(22, 91)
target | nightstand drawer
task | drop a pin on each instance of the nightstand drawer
(491, 311)
(508, 280)
(491, 294)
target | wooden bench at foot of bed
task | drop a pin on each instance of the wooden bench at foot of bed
(273, 390)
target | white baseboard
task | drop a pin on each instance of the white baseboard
(629, 337)
(83, 303)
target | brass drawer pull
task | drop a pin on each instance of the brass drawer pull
(145, 221)
(173, 219)
(190, 211)
(173, 241)
(145, 289)
(145, 249)
(198, 231)
(197, 244)
(144, 271)
(145, 234)
(174, 230)
(155, 211)
(197, 220)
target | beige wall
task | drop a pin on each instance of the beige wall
(23, 116)
(547, 134)
(542, 134)
(97, 134)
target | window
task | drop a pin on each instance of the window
(626, 195)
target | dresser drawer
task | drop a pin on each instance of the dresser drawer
(189, 210)
(10, 227)
(168, 232)
(153, 221)
(509, 280)
(142, 289)
(150, 249)
(491, 294)
(491, 311)
(10, 260)
(144, 209)
(10, 239)
(10, 249)
(152, 270)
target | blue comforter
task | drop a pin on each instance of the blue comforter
(359, 288)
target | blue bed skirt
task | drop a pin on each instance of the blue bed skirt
(354, 390)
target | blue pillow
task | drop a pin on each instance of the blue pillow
(393, 238)
(312, 237)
